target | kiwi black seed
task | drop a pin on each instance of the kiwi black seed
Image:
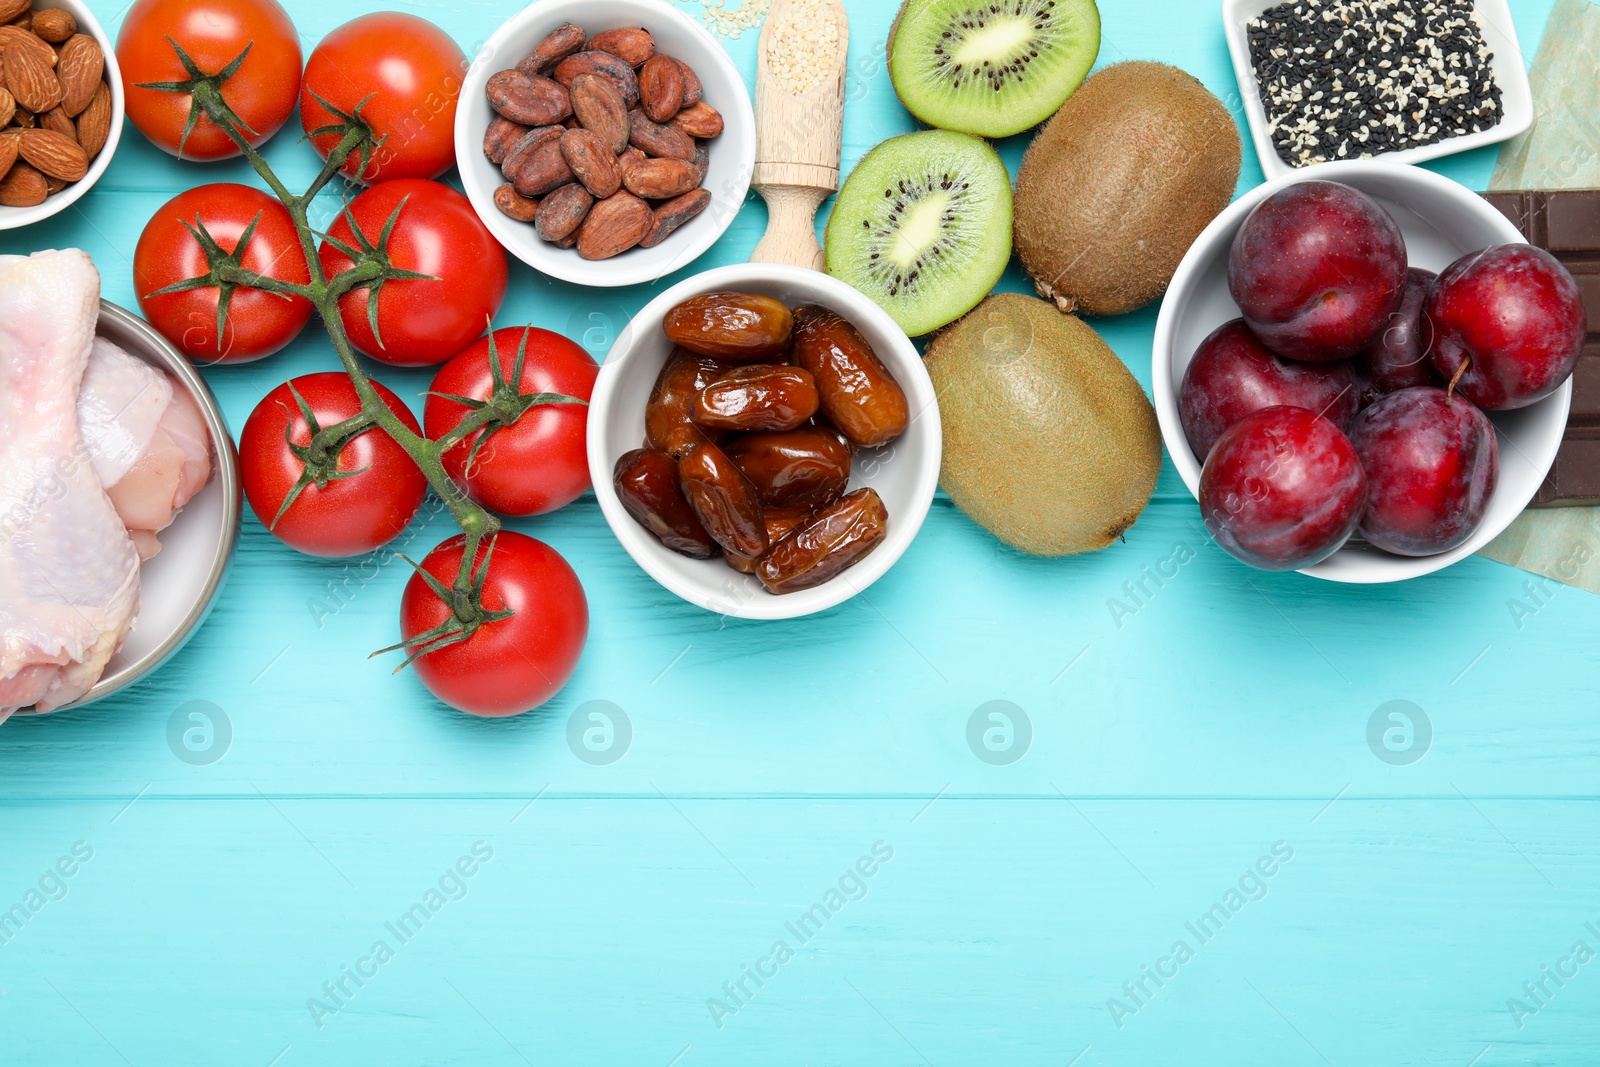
(991, 67)
(923, 226)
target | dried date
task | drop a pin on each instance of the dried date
(666, 417)
(859, 395)
(748, 327)
(760, 396)
(723, 500)
(798, 468)
(834, 540)
(646, 481)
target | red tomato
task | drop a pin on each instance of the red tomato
(412, 70)
(258, 323)
(538, 464)
(511, 665)
(438, 234)
(349, 516)
(213, 32)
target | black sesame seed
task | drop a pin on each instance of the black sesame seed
(1339, 77)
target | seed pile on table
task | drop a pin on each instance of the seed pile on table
(1349, 79)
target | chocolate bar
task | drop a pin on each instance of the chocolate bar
(1567, 224)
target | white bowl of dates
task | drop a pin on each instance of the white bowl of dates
(1408, 81)
(60, 136)
(1362, 372)
(764, 441)
(605, 142)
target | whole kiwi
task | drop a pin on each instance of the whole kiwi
(1117, 186)
(1049, 443)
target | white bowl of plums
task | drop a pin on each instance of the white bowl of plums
(764, 441)
(605, 142)
(1363, 373)
(119, 501)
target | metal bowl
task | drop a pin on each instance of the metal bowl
(178, 586)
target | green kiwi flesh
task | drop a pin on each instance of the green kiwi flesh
(991, 67)
(923, 227)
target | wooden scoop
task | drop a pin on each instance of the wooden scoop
(798, 134)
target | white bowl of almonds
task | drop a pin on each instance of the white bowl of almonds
(651, 94)
(61, 101)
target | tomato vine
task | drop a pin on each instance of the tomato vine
(370, 269)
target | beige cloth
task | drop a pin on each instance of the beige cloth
(1560, 151)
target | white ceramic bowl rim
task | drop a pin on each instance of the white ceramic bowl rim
(13, 217)
(748, 600)
(732, 154)
(1444, 195)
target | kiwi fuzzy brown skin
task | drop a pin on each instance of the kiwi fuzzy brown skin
(1049, 442)
(1117, 186)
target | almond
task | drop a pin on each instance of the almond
(601, 109)
(14, 9)
(53, 24)
(673, 214)
(654, 139)
(604, 65)
(22, 38)
(23, 187)
(514, 205)
(562, 212)
(660, 179)
(8, 155)
(564, 40)
(592, 162)
(22, 118)
(56, 119)
(32, 82)
(8, 108)
(614, 225)
(54, 155)
(528, 98)
(661, 88)
(633, 45)
(81, 71)
(94, 122)
(544, 171)
(700, 120)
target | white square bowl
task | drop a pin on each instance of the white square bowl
(1499, 32)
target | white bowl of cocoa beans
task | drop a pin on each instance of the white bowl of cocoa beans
(605, 142)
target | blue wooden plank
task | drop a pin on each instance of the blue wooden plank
(598, 931)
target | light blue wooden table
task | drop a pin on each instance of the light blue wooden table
(1198, 771)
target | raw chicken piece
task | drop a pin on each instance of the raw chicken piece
(69, 575)
(146, 438)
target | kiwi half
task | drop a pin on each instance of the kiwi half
(991, 67)
(923, 226)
